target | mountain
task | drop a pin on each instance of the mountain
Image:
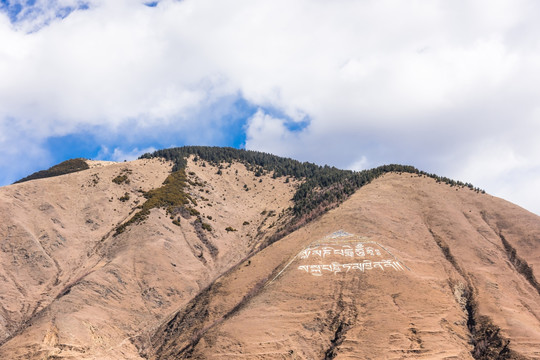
(205, 253)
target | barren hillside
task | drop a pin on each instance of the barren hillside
(71, 288)
(406, 267)
(422, 270)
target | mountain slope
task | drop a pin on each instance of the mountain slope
(457, 288)
(77, 289)
(407, 266)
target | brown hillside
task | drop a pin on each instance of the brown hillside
(406, 268)
(71, 289)
(457, 286)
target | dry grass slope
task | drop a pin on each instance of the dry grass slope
(211, 266)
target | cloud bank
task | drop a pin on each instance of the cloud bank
(447, 86)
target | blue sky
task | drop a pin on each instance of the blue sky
(450, 87)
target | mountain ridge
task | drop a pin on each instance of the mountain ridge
(197, 278)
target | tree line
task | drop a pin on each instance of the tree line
(321, 186)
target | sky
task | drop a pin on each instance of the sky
(451, 87)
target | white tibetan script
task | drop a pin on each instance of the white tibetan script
(345, 250)
(366, 265)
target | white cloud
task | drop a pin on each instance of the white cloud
(506, 170)
(270, 134)
(359, 165)
(388, 81)
(121, 155)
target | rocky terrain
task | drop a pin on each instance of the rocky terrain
(406, 267)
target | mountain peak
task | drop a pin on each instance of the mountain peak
(233, 254)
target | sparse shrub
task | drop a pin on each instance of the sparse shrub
(95, 179)
(124, 198)
(245, 223)
(121, 179)
(230, 228)
(206, 226)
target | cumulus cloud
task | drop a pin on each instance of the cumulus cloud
(447, 86)
(270, 134)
